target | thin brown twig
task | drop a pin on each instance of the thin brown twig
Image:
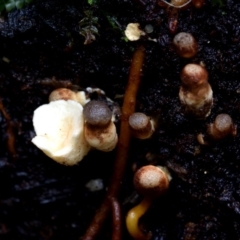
(116, 220)
(128, 108)
(10, 132)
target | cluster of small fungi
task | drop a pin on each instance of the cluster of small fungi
(196, 95)
(72, 124)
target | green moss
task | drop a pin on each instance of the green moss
(9, 5)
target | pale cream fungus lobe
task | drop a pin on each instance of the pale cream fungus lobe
(59, 128)
(133, 32)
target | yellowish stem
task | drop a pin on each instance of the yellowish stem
(133, 217)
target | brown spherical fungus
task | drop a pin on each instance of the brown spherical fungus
(185, 45)
(151, 182)
(222, 127)
(195, 94)
(100, 131)
(141, 125)
(97, 114)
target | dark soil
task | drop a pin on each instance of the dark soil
(40, 199)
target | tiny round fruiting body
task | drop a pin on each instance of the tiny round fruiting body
(222, 127)
(97, 113)
(151, 181)
(100, 131)
(185, 45)
(133, 33)
(141, 125)
(195, 93)
(193, 75)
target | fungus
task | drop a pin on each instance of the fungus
(100, 131)
(67, 94)
(185, 45)
(59, 128)
(222, 127)
(195, 94)
(151, 182)
(133, 33)
(141, 125)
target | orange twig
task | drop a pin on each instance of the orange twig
(128, 108)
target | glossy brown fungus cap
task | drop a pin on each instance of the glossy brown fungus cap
(193, 75)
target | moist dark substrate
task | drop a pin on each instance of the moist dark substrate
(42, 200)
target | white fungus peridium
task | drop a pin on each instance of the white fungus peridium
(133, 33)
(59, 128)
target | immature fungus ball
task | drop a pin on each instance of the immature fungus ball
(185, 45)
(141, 125)
(59, 128)
(193, 75)
(151, 182)
(100, 131)
(195, 94)
(133, 33)
(97, 113)
(67, 94)
(222, 127)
